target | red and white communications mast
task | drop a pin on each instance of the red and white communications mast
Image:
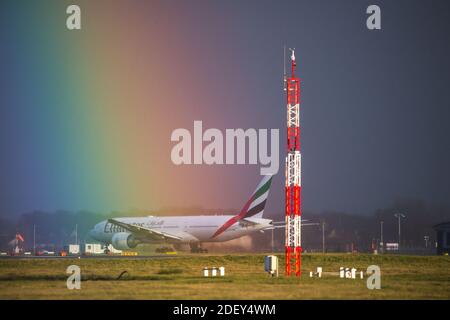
(293, 244)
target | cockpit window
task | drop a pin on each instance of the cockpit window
(108, 227)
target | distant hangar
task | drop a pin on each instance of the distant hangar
(443, 238)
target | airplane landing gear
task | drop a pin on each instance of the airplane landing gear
(196, 248)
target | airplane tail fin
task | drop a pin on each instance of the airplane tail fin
(255, 205)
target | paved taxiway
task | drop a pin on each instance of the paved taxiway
(89, 257)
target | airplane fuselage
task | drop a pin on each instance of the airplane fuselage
(191, 228)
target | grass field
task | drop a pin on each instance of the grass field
(402, 277)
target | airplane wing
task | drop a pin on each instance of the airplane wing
(247, 222)
(252, 221)
(152, 234)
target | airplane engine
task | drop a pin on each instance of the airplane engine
(124, 241)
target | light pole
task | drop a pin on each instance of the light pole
(323, 237)
(426, 238)
(381, 237)
(34, 239)
(399, 216)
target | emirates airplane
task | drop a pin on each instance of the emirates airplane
(126, 233)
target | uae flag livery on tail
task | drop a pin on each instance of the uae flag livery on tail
(254, 207)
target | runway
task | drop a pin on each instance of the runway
(101, 257)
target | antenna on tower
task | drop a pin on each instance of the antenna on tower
(284, 68)
(293, 54)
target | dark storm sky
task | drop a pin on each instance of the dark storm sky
(374, 113)
(380, 104)
(375, 104)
